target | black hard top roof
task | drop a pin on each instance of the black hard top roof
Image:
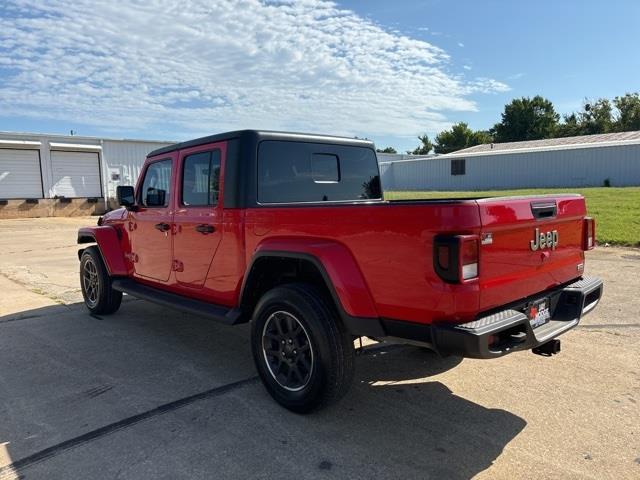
(258, 135)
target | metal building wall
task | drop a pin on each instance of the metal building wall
(122, 157)
(570, 167)
(45, 144)
(123, 160)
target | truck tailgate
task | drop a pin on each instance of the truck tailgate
(529, 244)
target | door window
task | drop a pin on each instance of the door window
(201, 179)
(156, 186)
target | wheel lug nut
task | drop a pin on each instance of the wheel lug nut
(282, 354)
(290, 341)
(295, 352)
(283, 342)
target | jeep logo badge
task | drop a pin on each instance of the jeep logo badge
(544, 240)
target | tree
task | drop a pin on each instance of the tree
(425, 146)
(480, 137)
(570, 127)
(458, 137)
(596, 117)
(526, 119)
(386, 150)
(628, 115)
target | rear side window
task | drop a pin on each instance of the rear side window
(201, 179)
(290, 172)
(156, 184)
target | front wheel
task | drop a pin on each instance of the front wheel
(303, 354)
(95, 282)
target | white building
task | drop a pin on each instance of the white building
(584, 161)
(42, 175)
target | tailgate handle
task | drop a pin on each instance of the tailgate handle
(544, 209)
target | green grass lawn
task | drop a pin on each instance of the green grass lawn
(616, 210)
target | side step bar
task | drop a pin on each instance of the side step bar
(228, 316)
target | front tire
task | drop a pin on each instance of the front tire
(303, 353)
(99, 296)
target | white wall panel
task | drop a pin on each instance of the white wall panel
(124, 159)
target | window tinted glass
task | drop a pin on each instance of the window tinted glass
(156, 188)
(325, 168)
(201, 179)
(214, 178)
(313, 172)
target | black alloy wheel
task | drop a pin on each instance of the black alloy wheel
(95, 283)
(287, 351)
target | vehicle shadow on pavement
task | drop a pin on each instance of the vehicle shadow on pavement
(79, 390)
(412, 420)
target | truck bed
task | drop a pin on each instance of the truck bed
(392, 244)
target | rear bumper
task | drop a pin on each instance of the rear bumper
(510, 330)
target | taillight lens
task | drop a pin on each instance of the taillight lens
(455, 257)
(589, 234)
(469, 258)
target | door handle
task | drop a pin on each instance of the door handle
(205, 229)
(163, 227)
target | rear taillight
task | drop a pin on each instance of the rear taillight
(455, 257)
(469, 258)
(588, 233)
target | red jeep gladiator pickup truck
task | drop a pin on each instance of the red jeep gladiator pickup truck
(291, 233)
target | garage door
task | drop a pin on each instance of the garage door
(20, 174)
(75, 174)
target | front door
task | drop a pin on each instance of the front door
(198, 215)
(150, 226)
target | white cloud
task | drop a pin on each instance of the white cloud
(158, 67)
(461, 45)
(487, 85)
(467, 67)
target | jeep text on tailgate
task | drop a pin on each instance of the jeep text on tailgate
(291, 233)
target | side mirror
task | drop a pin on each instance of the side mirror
(126, 196)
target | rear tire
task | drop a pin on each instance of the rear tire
(303, 353)
(99, 296)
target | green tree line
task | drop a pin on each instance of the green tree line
(535, 119)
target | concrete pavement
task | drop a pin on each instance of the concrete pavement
(149, 393)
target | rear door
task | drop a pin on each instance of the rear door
(150, 226)
(198, 215)
(528, 245)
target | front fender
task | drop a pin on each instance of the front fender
(335, 263)
(109, 244)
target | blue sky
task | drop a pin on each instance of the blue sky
(386, 70)
(565, 50)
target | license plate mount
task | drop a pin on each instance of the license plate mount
(539, 312)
